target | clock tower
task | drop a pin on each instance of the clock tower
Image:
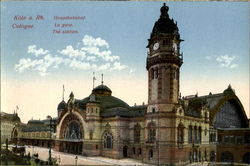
(163, 63)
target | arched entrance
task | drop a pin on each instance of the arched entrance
(71, 135)
(246, 158)
(125, 151)
(227, 157)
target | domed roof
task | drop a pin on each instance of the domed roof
(62, 105)
(101, 90)
(107, 102)
(164, 23)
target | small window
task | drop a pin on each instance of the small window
(96, 146)
(153, 110)
(151, 153)
(133, 150)
(152, 74)
(139, 151)
(239, 139)
(156, 73)
(226, 139)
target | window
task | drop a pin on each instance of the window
(108, 140)
(151, 153)
(229, 116)
(199, 134)
(176, 74)
(91, 135)
(239, 139)
(190, 136)
(152, 73)
(195, 134)
(151, 132)
(166, 42)
(133, 150)
(153, 110)
(226, 139)
(156, 73)
(232, 139)
(73, 131)
(139, 151)
(180, 132)
(137, 133)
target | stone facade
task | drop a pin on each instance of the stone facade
(8, 123)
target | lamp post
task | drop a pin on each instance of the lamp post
(59, 159)
(50, 119)
(76, 158)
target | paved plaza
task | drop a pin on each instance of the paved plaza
(69, 159)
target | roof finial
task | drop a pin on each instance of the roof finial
(63, 93)
(102, 79)
(71, 96)
(164, 10)
(94, 80)
(17, 108)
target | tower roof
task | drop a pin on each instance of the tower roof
(62, 105)
(164, 24)
(102, 90)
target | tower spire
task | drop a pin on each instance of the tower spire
(94, 80)
(102, 79)
(63, 93)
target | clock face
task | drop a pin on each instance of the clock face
(156, 46)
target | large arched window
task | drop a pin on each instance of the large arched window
(180, 133)
(107, 140)
(73, 131)
(229, 116)
(151, 132)
(137, 133)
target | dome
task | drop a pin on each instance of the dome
(106, 102)
(101, 90)
(62, 105)
(164, 23)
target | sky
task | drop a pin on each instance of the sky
(110, 38)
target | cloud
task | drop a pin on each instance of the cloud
(72, 53)
(118, 66)
(41, 65)
(33, 50)
(90, 54)
(91, 41)
(224, 61)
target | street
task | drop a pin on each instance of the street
(70, 159)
